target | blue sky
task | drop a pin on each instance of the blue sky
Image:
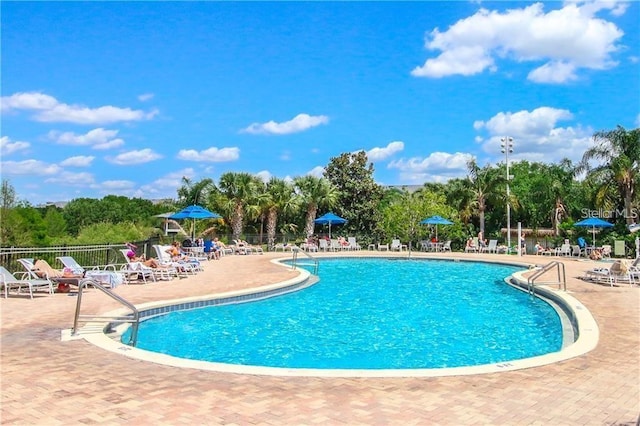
(128, 97)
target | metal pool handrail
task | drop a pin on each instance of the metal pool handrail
(133, 318)
(562, 277)
(294, 263)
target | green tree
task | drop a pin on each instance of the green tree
(359, 194)
(54, 222)
(461, 197)
(239, 190)
(29, 228)
(618, 154)
(8, 200)
(483, 185)
(401, 217)
(314, 193)
(280, 198)
(195, 193)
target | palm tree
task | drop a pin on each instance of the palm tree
(618, 152)
(315, 193)
(461, 197)
(191, 193)
(483, 186)
(561, 177)
(280, 198)
(239, 189)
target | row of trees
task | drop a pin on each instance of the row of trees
(542, 196)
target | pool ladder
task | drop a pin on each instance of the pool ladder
(562, 277)
(133, 318)
(295, 251)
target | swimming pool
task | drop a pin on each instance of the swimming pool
(372, 313)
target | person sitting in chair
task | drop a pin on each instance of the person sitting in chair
(152, 263)
(470, 245)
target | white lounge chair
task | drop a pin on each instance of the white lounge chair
(246, 248)
(492, 247)
(335, 245)
(283, 247)
(11, 281)
(564, 250)
(140, 270)
(396, 245)
(309, 247)
(181, 268)
(108, 275)
(353, 245)
(619, 271)
(323, 244)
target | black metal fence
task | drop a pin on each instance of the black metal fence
(88, 256)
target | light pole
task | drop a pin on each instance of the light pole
(507, 148)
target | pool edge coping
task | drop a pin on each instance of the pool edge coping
(588, 337)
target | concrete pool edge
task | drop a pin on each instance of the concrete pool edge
(588, 336)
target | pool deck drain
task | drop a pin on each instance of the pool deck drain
(47, 381)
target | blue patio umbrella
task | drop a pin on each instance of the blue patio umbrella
(436, 220)
(594, 222)
(330, 219)
(194, 212)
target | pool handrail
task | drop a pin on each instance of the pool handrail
(133, 318)
(294, 252)
(562, 277)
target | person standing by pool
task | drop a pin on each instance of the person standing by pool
(481, 241)
(523, 244)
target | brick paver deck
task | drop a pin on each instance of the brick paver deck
(50, 382)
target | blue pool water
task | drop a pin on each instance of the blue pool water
(370, 314)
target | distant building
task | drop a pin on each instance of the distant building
(408, 188)
(58, 204)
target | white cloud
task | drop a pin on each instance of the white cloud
(285, 155)
(28, 167)
(379, 154)
(49, 109)
(66, 178)
(97, 138)
(78, 161)
(135, 157)
(437, 167)
(536, 135)
(299, 123)
(117, 185)
(165, 186)
(563, 40)
(264, 175)
(524, 123)
(553, 72)
(145, 97)
(7, 147)
(30, 101)
(317, 171)
(210, 155)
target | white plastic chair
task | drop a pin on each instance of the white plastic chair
(9, 281)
